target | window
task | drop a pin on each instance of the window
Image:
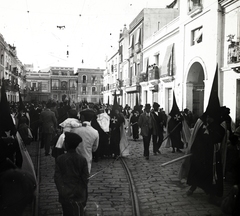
(64, 85)
(94, 90)
(34, 86)
(193, 4)
(2, 59)
(138, 37)
(84, 79)
(94, 79)
(131, 42)
(44, 86)
(197, 36)
(156, 56)
(55, 84)
(84, 89)
(72, 84)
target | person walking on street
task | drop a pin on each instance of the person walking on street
(134, 124)
(71, 177)
(157, 136)
(146, 125)
(89, 135)
(48, 123)
(117, 120)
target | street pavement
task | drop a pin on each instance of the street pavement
(158, 188)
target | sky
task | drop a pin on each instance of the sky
(90, 36)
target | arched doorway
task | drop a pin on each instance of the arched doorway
(195, 89)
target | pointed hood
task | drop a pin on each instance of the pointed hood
(115, 106)
(137, 99)
(213, 107)
(175, 112)
(137, 107)
(6, 121)
(21, 105)
(115, 103)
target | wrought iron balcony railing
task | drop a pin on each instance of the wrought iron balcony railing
(233, 52)
(153, 73)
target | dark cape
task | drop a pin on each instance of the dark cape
(115, 136)
(205, 163)
(103, 145)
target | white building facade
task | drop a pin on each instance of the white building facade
(182, 56)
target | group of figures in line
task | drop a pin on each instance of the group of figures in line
(76, 135)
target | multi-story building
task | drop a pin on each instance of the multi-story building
(112, 80)
(147, 22)
(38, 85)
(90, 85)
(182, 55)
(63, 84)
(3, 44)
(11, 69)
(57, 83)
(130, 57)
(230, 59)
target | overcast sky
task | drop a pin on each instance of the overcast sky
(91, 30)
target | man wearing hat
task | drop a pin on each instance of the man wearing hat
(146, 125)
(71, 177)
(90, 136)
(48, 124)
(157, 136)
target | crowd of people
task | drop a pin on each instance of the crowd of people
(86, 132)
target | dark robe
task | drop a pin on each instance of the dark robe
(103, 145)
(175, 133)
(135, 127)
(115, 123)
(201, 173)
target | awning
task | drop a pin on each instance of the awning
(168, 62)
(146, 63)
(131, 42)
(138, 37)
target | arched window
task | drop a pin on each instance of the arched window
(84, 78)
(94, 89)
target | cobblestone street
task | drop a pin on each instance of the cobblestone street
(158, 188)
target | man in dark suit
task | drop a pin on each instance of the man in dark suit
(48, 123)
(157, 136)
(146, 125)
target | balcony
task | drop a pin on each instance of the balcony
(138, 48)
(131, 52)
(56, 88)
(233, 53)
(135, 80)
(143, 77)
(153, 73)
(113, 86)
(128, 82)
(195, 7)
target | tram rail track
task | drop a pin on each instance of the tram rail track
(36, 157)
(37, 170)
(133, 191)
